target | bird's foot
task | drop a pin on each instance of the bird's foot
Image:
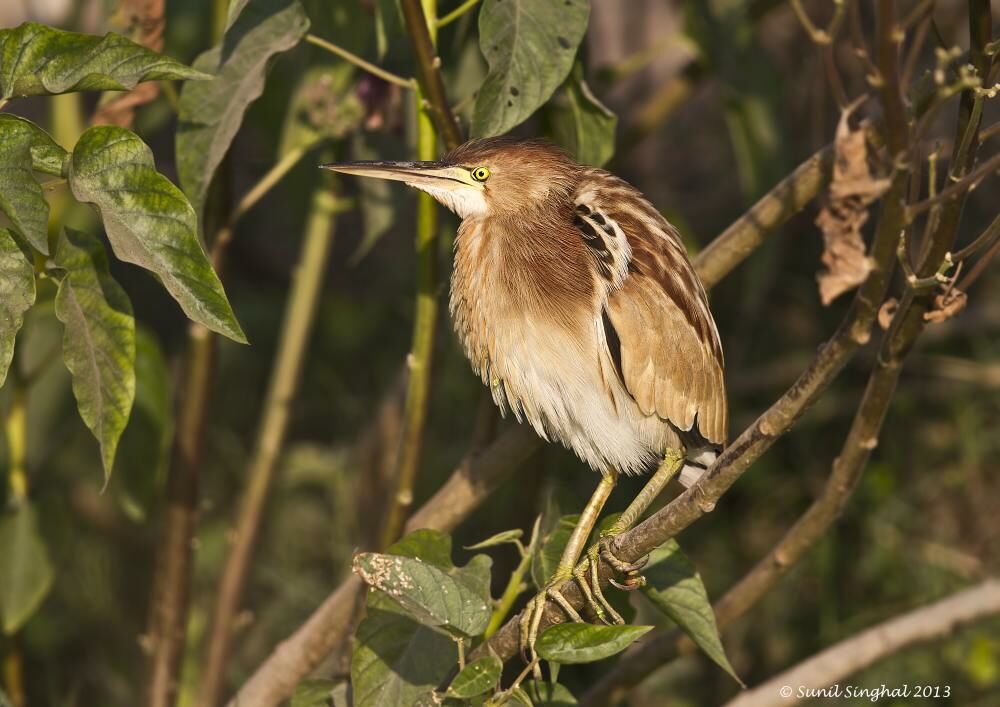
(631, 570)
(531, 617)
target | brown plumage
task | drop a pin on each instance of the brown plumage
(576, 303)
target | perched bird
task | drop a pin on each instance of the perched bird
(576, 303)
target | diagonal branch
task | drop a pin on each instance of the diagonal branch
(929, 623)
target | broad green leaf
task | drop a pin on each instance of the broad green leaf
(397, 661)
(25, 570)
(476, 678)
(501, 538)
(530, 47)
(37, 60)
(17, 294)
(547, 694)
(99, 339)
(431, 595)
(319, 693)
(149, 222)
(585, 643)
(145, 444)
(581, 124)
(388, 25)
(675, 587)
(21, 197)
(211, 112)
(545, 561)
(324, 105)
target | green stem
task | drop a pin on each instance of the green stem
(456, 13)
(422, 349)
(515, 586)
(359, 62)
(300, 313)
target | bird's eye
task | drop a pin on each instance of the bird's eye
(480, 174)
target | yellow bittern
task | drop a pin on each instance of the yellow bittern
(576, 303)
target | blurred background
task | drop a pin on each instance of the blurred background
(716, 102)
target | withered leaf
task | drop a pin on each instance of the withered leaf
(852, 189)
(946, 305)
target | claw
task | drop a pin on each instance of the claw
(531, 617)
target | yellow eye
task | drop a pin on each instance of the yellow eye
(480, 174)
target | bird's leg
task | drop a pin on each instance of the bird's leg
(531, 617)
(672, 463)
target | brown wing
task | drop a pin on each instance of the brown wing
(668, 352)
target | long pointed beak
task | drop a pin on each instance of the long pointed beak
(434, 175)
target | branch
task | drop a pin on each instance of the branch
(428, 72)
(923, 625)
(299, 316)
(420, 358)
(359, 62)
(475, 478)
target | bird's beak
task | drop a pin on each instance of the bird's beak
(432, 176)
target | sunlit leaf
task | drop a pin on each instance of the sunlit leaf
(582, 124)
(547, 694)
(149, 222)
(431, 595)
(476, 678)
(37, 60)
(530, 47)
(25, 570)
(21, 198)
(17, 294)
(99, 341)
(545, 561)
(211, 112)
(675, 587)
(585, 643)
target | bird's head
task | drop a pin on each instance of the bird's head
(496, 176)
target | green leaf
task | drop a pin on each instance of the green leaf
(388, 25)
(36, 60)
(375, 196)
(431, 595)
(476, 678)
(674, 586)
(585, 643)
(25, 570)
(397, 662)
(545, 561)
(501, 538)
(581, 124)
(529, 47)
(547, 694)
(149, 222)
(21, 196)
(320, 693)
(17, 294)
(99, 339)
(211, 112)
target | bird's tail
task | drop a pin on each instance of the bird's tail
(698, 460)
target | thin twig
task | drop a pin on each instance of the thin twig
(359, 62)
(964, 185)
(456, 13)
(429, 71)
(929, 623)
(299, 317)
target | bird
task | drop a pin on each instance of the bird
(576, 303)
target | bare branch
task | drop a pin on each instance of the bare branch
(929, 623)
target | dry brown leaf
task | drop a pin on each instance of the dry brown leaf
(946, 306)
(852, 189)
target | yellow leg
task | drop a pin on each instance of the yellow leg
(531, 617)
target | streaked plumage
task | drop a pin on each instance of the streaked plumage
(576, 303)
